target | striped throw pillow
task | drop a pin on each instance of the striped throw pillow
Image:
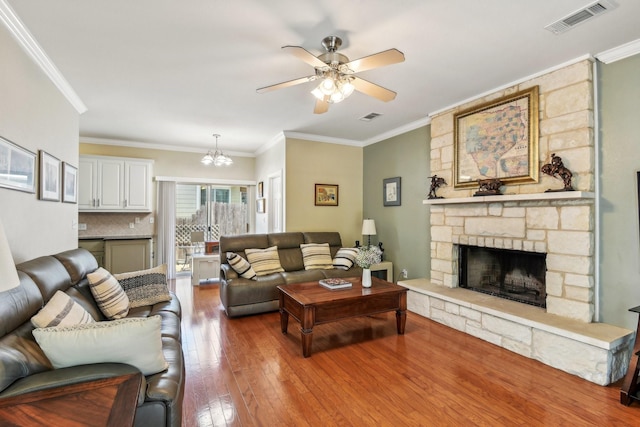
(264, 261)
(241, 266)
(345, 257)
(316, 256)
(61, 310)
(108, 293)
(145, 287)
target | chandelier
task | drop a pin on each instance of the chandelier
(218, 158)
(334, 87)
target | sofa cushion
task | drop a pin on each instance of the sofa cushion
(108, 293)
(316, 256)
(241, 266)
(264, 261)
(345, 258)
(135, 341)
(145, 287)
(61, 310)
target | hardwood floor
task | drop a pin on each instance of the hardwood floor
(245, 372)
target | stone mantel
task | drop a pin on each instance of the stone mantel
(560, 195)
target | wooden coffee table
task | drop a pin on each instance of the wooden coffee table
(311, 304)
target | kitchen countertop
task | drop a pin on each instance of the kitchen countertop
(131, 237)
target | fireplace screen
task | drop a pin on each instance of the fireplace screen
(514, 275)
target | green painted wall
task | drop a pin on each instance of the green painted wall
(619, 106)
(403, 230)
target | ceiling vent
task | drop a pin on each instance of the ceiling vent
(579, 16)
(370, 117)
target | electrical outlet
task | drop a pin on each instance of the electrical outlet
(132, 225)
(151, 219)
(82, 226)
(137, 220)
(405, 273)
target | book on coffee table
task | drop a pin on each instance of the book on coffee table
(335, 283)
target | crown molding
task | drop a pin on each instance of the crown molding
(152, 146)
(398, 131)
(321, 138)
(29, 44)
(621, 52)
(278, 138)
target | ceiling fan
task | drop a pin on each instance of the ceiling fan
(337, 74)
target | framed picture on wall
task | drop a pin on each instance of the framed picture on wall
(49, 177)
(326, 195)
(69, 183)
(391, 191)
(261, 205)
(17, 167)
(260, 189)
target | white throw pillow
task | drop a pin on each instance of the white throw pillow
(108, 293)
(145, 287)
(136, 341)
(345, 257)
(316, 256)
(241, 266)
(61, 310)
(264, 261)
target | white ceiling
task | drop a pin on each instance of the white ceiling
(171, 73)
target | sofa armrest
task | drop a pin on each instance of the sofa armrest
(72, 375)
(227, 273)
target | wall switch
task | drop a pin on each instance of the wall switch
(82, 226)
(405, 273)
(151, 220)
(132, 225)
(137, 220)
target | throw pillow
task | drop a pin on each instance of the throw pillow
(61, 310)
(136, 341)
(241, 266)
(345, 257)
(145, 287)
(316, 256)
(264, 261)
(108, 293)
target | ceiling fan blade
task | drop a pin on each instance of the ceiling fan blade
(322, 106)
(373, 89)
(305, 55)
(286, 84)
(380, 59)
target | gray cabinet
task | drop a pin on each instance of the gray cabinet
(96, 247)
(123, 256)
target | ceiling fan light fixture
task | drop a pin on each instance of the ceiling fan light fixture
(318, 93)
(327, 86)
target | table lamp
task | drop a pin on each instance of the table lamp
(369, 229)
(8, 275)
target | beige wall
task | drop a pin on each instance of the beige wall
(309, 163)
(620, 160)
(36, 116)
(403, 230)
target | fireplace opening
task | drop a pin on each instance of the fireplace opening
(510, 274)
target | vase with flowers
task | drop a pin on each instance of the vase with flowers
(366, 257)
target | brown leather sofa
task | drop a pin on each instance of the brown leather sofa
(25, 369)
(242, 296)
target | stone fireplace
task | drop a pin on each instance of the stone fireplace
(557, 227)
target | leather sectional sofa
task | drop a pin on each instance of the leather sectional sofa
(24, 368)
(241, 296)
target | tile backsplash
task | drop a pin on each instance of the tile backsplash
(116, 224)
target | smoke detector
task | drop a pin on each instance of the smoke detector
(581, 15)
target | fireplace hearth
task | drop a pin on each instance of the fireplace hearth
(509, 274)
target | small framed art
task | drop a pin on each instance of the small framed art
(261, 205)
(391, 191)
(49, 177)
(326, 195)
(69, 183)
(260, 189)
(17, 167)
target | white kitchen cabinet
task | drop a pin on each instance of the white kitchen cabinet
(114, 184)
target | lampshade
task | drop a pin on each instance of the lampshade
(8, 275)
(368, 227)
(218, 158)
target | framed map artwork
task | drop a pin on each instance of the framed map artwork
(498, 139)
